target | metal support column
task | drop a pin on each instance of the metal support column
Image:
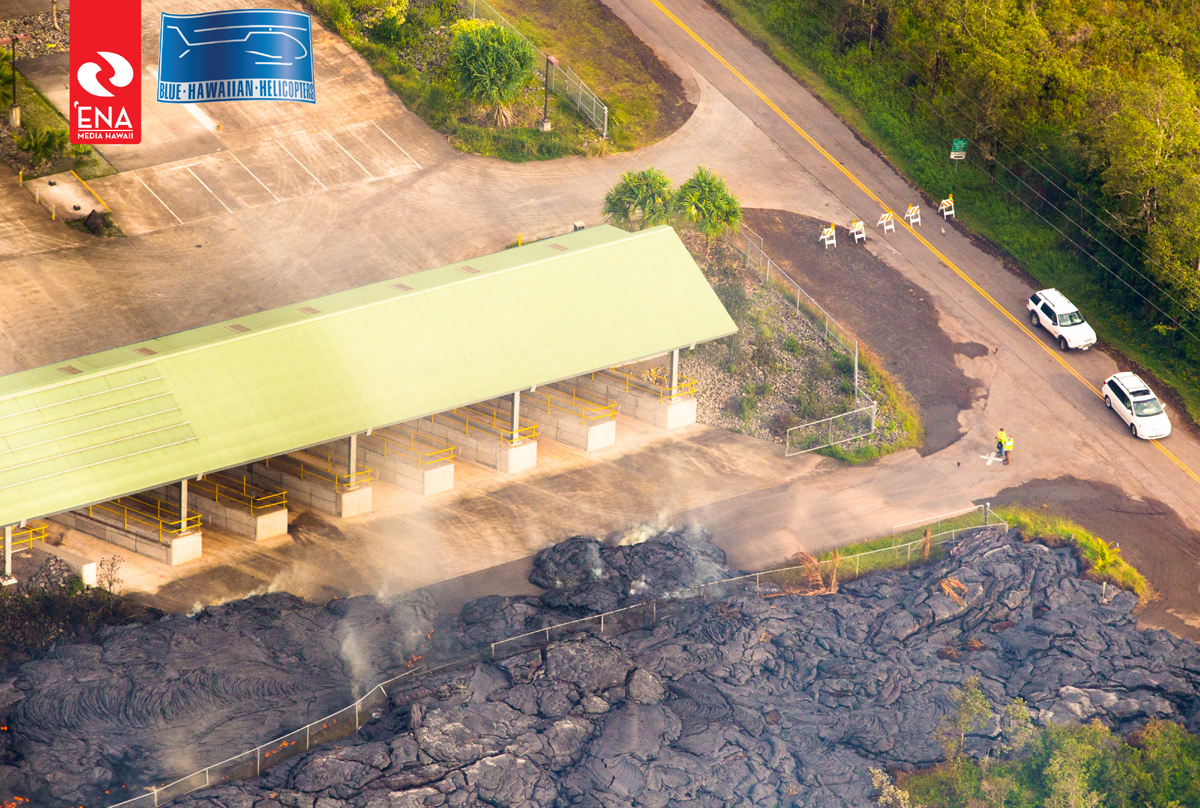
(183, 505)
(352, 456)
(674, 369)
(7, 553)
(516, 413)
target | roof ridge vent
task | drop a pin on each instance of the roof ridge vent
(70, 370)
(238, 327)
(467, 268)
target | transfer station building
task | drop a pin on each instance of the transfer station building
(311, 404)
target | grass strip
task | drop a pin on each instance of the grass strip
(38, 113)
(1101, 562)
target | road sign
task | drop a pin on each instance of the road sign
(958, 151)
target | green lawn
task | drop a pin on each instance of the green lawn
(38, 112)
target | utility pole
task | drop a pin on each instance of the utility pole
(550, 62)
(14, 114)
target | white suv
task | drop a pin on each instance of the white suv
(1049, 309)
(1130, 398)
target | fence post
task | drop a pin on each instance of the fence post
(308, 737)
(655, 610)
(356, 705)
(856, 373)
(856, 566)
(987, 512)
(602, 623)
(756, 588)
(257, 765)
(493, 650)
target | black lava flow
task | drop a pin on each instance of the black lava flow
(742, 700)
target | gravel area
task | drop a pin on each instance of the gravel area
(45, 38)
(777, 371)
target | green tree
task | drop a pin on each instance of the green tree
(491, 65)
(1149, 137)
(44, 145)
(706, 202)
(382, 19)
(641, 199)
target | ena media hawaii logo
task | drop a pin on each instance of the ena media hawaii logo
(106, 66)
(250, 54)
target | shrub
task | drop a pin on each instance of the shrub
(791, 345)
(491, 65)
(44, 145)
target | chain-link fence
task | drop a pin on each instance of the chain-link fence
(563, 80)
(249, 764)
(824, 432)
(832, 431)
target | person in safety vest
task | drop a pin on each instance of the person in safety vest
(1004, 445)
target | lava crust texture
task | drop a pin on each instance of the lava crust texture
(749, 700)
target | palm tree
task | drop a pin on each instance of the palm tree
(643, 197)
(44, 145)
(491, 65)
(5, 79)
(706, 202)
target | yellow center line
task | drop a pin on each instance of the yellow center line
(846, 172)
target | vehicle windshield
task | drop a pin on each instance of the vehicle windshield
(1070, 318)
(1147, 406)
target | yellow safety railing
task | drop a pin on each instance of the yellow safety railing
(222, 488)
(403, 441)
(495, 422)
(572, 402)
(313, 470)
(149, 513)
(659, 383)
(33, 531)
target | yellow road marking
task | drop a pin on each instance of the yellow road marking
(90, 191)
(846, 172)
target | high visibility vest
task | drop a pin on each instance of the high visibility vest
(1008, 443)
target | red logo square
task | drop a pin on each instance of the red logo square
(106, 71)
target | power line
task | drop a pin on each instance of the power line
(1082, 229)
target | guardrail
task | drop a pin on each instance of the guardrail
(232, 489)
(574, 404)
(659, 383)
(404, 442)
(33, 531)
(311, 470)
(348, 720)
(149, 514)
(493, 423)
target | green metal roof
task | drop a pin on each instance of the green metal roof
(128, 419)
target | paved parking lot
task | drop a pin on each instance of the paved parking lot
(265, 173)
(197, 161)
